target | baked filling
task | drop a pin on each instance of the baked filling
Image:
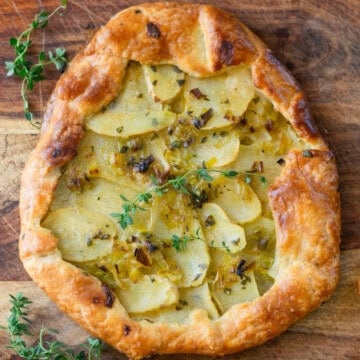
(166, 201)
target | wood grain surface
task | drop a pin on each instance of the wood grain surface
(319, 41)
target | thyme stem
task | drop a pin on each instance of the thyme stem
(22, 68)
(178, 183)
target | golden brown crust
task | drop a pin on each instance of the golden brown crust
(304, 199)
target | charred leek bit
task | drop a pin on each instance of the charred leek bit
(23, 68)
(17, 327)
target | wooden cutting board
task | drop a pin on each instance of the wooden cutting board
(317, 40)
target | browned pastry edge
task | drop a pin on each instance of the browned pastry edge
(200, 40)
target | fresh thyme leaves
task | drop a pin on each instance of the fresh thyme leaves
(24, 69)
(179, 243)
(179, 183)
(248, 178)
(18, 326)
(226, 247)
(130, 207)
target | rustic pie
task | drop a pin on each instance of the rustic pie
(180, 198)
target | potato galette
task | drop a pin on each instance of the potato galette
(181, 199)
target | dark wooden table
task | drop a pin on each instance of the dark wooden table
(319, 41)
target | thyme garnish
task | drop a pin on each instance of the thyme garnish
(248, 180)
(24, 69)
(179, 183)
(179, 243)
(17, 327)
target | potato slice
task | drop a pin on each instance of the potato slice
(104, 198)
(219, 231)
(227, 94)
(133, 112)
(261, 239)
(171, 215)
(242, 290)
(117, 123)
(164, 82)
(199, 298)
(63, 196)
(189, 299)
(264, 281)
(253, 157)
(93, 158)
(193, 262)
(238, 201)
(229, 286)
(83, 235)
(150, 293)
(101, 157)
(219, 149)
(158, 149)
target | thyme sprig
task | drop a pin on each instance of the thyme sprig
(23, 68)
(179, 243)
(179, 183)
(18, 326)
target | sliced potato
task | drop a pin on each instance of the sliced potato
(253, 157)
(232, 280)
(219, 149)
(158, 149)
(227, 94)
(189, 299)
(83, 235)
(264, 281)
(250, 157)
(130, 124)
(238, 201)
(63, 196)
(199, 298)
(267, 127)
(101, 156)
(133, 112)
(104, 198)
(151, 292)
(242, 290)
(219, 231)
(93, 158)
(171, 215)
(163, 81)
(260, 235)
(193, 262)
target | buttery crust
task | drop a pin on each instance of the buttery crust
(304, 199)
